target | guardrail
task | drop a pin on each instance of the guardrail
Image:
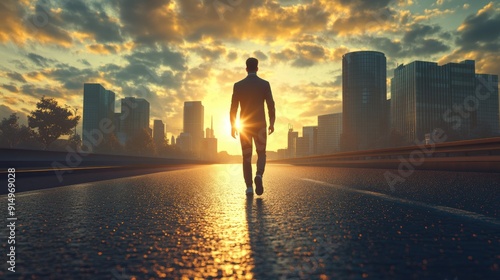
(467, 155)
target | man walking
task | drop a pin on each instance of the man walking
(250, 94)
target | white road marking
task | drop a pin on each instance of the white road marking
(436, 208)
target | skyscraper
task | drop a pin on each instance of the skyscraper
(98, 106)
(311, 133)
(158, 132)
(292, 142)
(210, 143)
(134, 117)
(364, 95)
(426, 96)
(193, 123)
(329, 133)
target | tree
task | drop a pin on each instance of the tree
(141, 144)
(75, 141)
(51, 121)
(110, 145)
(11, 133)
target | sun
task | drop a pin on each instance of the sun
(238, 124)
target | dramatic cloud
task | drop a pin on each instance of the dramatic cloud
(478, 38)
(90, 19)
(480, 31)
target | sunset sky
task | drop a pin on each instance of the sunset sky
(170, 51)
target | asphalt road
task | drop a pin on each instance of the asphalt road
(310, 223)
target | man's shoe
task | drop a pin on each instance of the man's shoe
(259, 188)
(249, 191)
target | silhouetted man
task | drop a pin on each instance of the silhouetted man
(250, 94)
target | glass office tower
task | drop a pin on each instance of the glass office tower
(426, 97)
(98, 106)
(364, 95)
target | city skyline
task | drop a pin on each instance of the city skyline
(178, 51)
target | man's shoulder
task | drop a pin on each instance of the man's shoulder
(251, 79)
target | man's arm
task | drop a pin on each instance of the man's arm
(270, 108)
(232, 112)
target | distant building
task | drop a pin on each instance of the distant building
(426, 96)
(329, 132)
(172, 140)
(292, 142)
(364, 95)
(302, 146)
(193, 123)
(311, 133)
(134, 117)
(184, 142)
(158, 132)
(209, 131)
(98, 107)
(282, 153)
(209, 147)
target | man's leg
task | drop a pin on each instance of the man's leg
(260, 145)
(246, 149)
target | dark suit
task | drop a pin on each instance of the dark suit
(250, 94)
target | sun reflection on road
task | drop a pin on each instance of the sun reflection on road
(222, 247)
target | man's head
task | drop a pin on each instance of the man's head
(252, 65)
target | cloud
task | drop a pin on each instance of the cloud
(104, 48)
(260, 55)
(359, 17)
(339, 52)
(11, 88)
(419, 31)
(40, 60)
(311, 99)
(69, 77)
(37, 92)
(478, 38)
(257, 20)
(480, 31)
(416, 41)
(84, 62)
(6, 111)
(149, 22)
(158, 56)
(209, 52)
(431, 13)
(302, 55)
(90, 18)
(16, 77)
(232, 56)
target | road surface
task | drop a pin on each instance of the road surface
(310, 223)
